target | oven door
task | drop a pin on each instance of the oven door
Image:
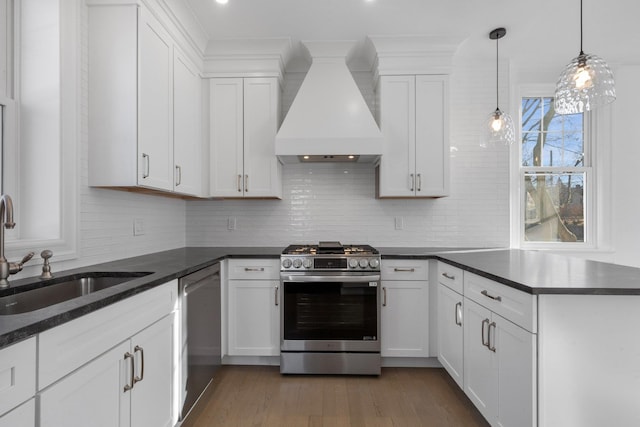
(330, 312)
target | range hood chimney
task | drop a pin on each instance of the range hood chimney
(329, 119)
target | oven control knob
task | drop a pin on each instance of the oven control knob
(286, 263)
(353, 263)
(364, 263)
(297, 263)
(374, 263)
(307, 263)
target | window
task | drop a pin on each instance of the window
(555, 176)
(39, 100)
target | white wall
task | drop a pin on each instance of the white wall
(337, 202)
(625, 157)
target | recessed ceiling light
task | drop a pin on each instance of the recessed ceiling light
(222, 1)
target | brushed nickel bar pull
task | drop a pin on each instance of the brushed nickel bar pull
(384, 296)
(486, 344)
(448, 276)
(489, 346)
(459, 313)
(404, 270)
(486, 294)
(276, 296)
(141, 377)
(246, 183)
(254, 269)
(145, 158)
(129, 356)
(412, 181)
(419, 186)
(239, 183)
(178, 175)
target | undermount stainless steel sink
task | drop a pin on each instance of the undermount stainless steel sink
(63, 289)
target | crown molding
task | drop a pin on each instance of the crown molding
(406, 54)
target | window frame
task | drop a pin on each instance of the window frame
(65, 246)
(594, 231)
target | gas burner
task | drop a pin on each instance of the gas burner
(329, 248)
(330, 256)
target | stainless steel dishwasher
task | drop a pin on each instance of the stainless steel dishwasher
(200, 335)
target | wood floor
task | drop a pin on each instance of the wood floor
(260, 396)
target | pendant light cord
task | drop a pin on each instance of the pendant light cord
(581, 51)
(497, 72)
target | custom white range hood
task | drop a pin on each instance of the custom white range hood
(329, 119)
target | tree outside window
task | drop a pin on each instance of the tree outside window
(554, 173)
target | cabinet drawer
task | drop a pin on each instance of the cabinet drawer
(512, 304)
(405, 269)
(254, 269)
(17, 374)
(71, 345)
(450, 276)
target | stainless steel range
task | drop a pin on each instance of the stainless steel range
(330, 314)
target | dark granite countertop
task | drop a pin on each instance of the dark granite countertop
(530, 271)
(537, 272)
(164, 267)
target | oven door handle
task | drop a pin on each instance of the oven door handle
(333, 279)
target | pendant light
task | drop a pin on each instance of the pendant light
(499, 127)
(586, 83)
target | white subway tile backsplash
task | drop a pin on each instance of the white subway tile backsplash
(337, 202)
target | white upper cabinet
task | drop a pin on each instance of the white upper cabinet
(144, 104)
(244, 117)
(413, 116)
(187, 120)
(155, 142)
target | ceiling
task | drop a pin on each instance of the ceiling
(545, 32)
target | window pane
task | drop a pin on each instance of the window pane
(550, 139)
(531, 114)
(554, 207)
(529, 155)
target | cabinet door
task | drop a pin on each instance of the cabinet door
(155, 104)
(92, 396)
(151, 403)
(515, 374)
(405, 319)
(479, 370)
(22, 416)
(432, 136)
(226, 136)
(17, 374)
(262, 169)
(396, 117)
(187, 126)
(450, 332)
(254, 321)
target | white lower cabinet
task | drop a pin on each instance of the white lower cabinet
(254, 318)
(405, 319)
(254, 307)
(450, 332)
(404, 313)
(22, 416)
(130, 385)
(111, 367)
(17, 378)
(499, 367)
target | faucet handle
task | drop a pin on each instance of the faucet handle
(15, 267)
(46, 267)
(27, 257)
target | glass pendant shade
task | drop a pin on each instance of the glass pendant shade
(585, 84)
(498, 127)
(498, 130)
